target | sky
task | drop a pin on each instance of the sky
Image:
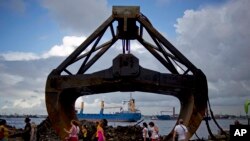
(37, 35)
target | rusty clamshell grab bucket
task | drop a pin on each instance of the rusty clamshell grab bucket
(188, 84)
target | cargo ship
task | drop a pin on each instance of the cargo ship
(165, 116)
(130, 115)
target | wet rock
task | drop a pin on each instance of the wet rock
(119, 133)
(45, 132)
(123, 133)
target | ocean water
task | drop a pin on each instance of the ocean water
(165, 126)
(19, 122)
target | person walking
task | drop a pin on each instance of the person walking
(95, 136)
(85, 133)
(27, 130)
(180, 131)
(154, 132)
(33, 131)
(145, 132)
(100, 132)
(4, 131)
(73, 136)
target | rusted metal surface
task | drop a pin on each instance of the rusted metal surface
(182, 80)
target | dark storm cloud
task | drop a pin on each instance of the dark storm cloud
(22, 85)
(216, 39)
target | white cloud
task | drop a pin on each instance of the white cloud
(216, 39)
(12, 79)
(23, 106)
(70, 43)
(137, 47)
(15, 56)
(22, 85)
(22, 102)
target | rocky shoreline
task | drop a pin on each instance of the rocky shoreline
(120, 133)
(45, 132)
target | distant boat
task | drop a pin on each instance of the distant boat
(131, 115)
(207, 118)
(154, 118)
(165, 116)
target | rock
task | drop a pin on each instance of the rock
(45, 132)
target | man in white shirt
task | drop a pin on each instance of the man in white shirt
(181, 131)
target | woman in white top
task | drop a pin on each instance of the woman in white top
(181, 131)
(72, 132)
(154, 131)
(33, 131)
(145, 132)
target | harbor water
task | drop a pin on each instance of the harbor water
(165, 126)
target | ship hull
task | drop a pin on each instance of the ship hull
(124, 117)
(163, 117)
